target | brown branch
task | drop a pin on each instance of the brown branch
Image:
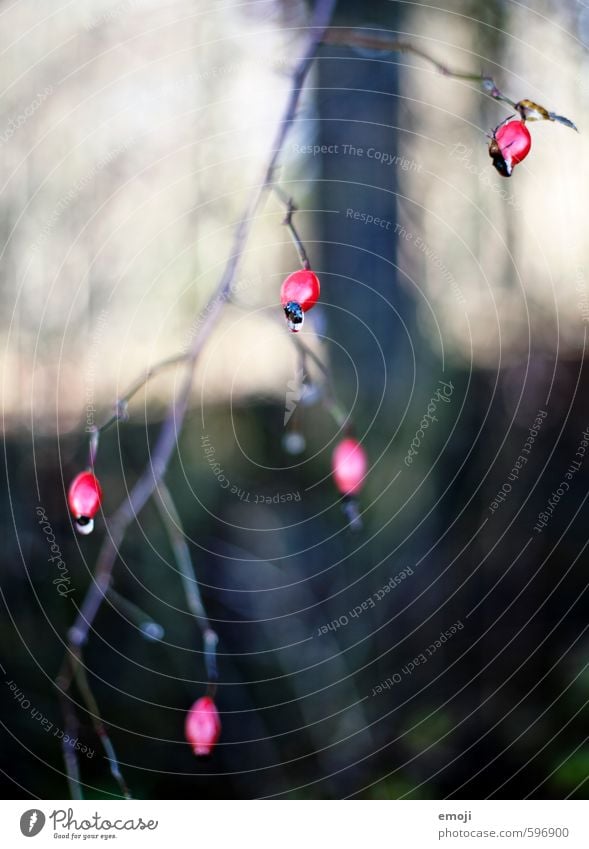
(168, 436)
(290, 209)
(380, 40)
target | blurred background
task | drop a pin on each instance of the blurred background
(131, 135)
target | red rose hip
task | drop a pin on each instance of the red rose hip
(84, 499)
(299, 292)
(349, 465)
(203, 726)
(510, 145)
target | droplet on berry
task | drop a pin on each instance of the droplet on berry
(510, 145)
(299, 293)
(203, 726)
(84, 499)
(349, 465)
(294, 316)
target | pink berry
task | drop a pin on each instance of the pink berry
(203, 726)
(84, 499)
(299, 293)
(349, 464)
(510, 145)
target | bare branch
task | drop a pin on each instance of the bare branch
(290, 209)
(172, 425)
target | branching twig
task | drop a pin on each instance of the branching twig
(172, 425)
(290, 209)
(172, 522)
(120, 408)
(380, 40)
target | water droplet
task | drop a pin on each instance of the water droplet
(351, 510)
(152, 631)
(294, 442)
(294, 316)
(84, 525)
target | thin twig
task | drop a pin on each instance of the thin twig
(380, 40)
(116, 528)
(290, 209)
(71, 724)
(329, 400)
(527, 109)
(120, 408)
(99, 727)
(173, 525)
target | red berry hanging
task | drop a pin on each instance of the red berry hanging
(203, 726)
(299, 292)
(510, 144)
(84, 498)
(349, 465)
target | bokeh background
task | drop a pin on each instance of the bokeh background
(131, 135)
